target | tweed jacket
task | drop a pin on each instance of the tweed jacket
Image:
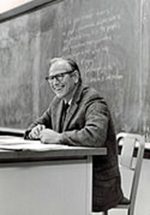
(88, 123)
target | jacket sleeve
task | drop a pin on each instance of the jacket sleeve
(45, 119)
(94, 132)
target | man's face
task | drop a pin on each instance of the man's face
(61, 79)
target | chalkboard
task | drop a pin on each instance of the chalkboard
(103, 36)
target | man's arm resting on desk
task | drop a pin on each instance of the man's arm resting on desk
(92, 134)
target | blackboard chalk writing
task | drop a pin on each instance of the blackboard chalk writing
(103, 74)
(85, 29)
(85, 38)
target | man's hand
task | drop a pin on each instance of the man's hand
(35, 132)
(50, 136)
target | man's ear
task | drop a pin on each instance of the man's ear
(75, 76)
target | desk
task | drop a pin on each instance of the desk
(53, 182)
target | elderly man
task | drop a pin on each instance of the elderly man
(79, 116)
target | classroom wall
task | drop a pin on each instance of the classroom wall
(11, 4)
(106, 38)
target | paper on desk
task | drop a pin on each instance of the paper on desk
(19, 144)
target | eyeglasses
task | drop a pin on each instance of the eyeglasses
(58, 77)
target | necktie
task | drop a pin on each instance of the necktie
(64, 112)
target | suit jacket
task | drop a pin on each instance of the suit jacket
(88, 123)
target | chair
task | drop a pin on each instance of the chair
(129, 143)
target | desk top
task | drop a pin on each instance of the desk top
(45, 153)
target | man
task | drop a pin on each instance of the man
(87, 122)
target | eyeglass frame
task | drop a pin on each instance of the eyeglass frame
(59, 77)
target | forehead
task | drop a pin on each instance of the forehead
(59, 67)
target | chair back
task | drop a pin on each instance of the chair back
(129, 143)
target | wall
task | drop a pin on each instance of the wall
(10, 4)
(103, 36)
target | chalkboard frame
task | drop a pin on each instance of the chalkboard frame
(27, 7)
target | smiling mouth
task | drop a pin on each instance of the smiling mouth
(58, 88)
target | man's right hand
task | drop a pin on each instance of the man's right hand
(35, 132)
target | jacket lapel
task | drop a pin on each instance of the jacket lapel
(58, 115)
(73, 107)
(70, 113)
